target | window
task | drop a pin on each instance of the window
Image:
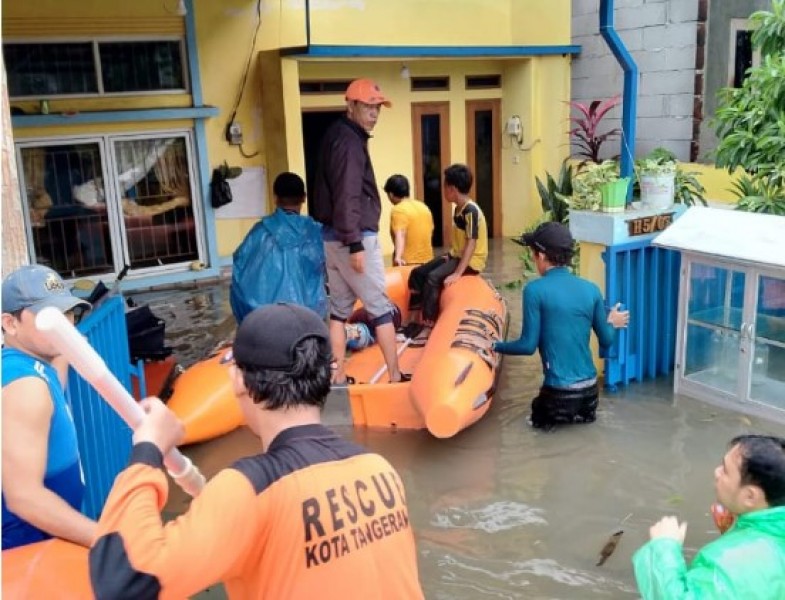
(478, 82)
(97, 67)
(421, 84)
(742, 57)
(95, 205)
(334, 86)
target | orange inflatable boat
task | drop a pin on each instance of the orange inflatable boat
(203, 399)
(51, 569)
(453, 372)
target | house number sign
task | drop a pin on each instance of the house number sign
(644, 225)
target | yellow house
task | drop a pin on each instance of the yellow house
(121, 112)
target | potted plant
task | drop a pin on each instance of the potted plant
(585, 128)
(657, 177)
(662, 162)
(599, 187)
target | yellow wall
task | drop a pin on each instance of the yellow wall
(718, 182)
(533, 89)
(270, 109)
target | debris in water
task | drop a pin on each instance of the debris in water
(609, 547)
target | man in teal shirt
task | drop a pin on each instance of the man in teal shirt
(747, 561)
(560, 310)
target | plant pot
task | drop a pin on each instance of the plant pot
(614, 195)
(657, 190)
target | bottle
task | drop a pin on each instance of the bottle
(44, 107)
(723, 518)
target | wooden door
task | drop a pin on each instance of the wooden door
(483, 151)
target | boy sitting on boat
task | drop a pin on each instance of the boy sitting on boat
(467, 254)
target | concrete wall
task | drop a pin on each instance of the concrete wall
(661, 36)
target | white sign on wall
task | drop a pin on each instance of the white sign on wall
(249, 195)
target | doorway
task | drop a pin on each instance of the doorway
(430, 131)
(483, 150)
(315, 124)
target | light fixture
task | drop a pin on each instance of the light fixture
(405, 74)
(181, 8)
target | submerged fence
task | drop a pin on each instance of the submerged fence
(645, 279)
(104, 438)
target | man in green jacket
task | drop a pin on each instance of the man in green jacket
(748, 561)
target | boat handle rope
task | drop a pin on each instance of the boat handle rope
(479, 325)
(491, 317)
(87, 362)
(484, 353)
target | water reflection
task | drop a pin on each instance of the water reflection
(504, 511)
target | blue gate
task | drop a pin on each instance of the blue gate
(645, 279)
(104, 438)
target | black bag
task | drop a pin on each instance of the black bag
(146, 335)
(220, 191)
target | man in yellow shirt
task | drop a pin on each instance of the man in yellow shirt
(411, 224)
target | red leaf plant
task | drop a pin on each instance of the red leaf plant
(584, 130)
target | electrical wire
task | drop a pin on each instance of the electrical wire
(245, 73)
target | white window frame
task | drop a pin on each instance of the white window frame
(118, 236)
(737, 25)
(96, 41)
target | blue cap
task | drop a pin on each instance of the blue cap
(35, 287)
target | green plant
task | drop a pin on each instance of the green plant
(554, 194)
(585, 129)
(750, 120)
(587, 181)
(761, 192)
(687, 189)
(661, 161)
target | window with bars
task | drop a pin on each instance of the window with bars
(97, 67)
(95, 205)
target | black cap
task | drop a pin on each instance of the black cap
(267, 336)
(549, 236)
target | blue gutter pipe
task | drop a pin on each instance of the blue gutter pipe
(630, 97)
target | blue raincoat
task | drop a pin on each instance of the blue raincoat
(747, 561)
(280, 260)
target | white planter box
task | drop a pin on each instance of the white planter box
(609, 229)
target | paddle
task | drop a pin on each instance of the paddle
(86, 361)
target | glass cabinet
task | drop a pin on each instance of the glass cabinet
(731, 342)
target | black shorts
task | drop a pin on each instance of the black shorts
(556, 406)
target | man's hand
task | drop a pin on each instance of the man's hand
(357, 260)
(399, 262)
(618, 318)
(159, 426)
(669, 527)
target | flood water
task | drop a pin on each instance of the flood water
(501, 510)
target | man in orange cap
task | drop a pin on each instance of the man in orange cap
(346, 201)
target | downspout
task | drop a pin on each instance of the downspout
(630, 97)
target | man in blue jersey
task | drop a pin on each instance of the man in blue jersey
(560, 310)
(42, 477)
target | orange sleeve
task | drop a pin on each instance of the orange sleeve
(136, 555)
(398, 219)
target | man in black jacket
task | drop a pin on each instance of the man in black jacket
(346, 202)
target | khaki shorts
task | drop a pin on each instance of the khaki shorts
(347, 285)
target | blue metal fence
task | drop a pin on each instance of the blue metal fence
(645, 279)
(104, 438)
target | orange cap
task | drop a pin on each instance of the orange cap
(366, 90)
